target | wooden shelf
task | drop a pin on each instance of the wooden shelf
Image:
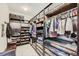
(12, 19)
(16, 36)
(18, 41)
(41, 27)
(67, 47)
(24, 35)
(59, 39)
(39, 22)
(64, 45)
(24, 32)
(52, 51)
(38, 33)
(25, 27)
(41, 47)
(62, 9)
(24, 42)
(63, 48)
(35, 50)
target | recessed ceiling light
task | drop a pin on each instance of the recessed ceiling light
(24, 8)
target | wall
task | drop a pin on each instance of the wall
(4, 17)
(25, 18)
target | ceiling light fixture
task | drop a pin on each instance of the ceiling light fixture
(24, 8)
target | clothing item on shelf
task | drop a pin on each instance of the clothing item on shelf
(67, 33)
(73, 35)
(65, 38)
(40, 38)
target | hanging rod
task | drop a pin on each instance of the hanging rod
(41, 11)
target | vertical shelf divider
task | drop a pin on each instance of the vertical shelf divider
(78, 30)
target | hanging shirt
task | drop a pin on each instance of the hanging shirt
(8, 31)
(34, 30)
(75, 23)
(59, 30)
(30, 30)
(47, 25)
(63, 26)
(69, 25)
(57, 24)
(51, 29)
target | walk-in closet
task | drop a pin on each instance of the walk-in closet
(39, 29)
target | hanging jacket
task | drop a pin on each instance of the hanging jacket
(8, 31)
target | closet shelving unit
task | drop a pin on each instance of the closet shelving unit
(40, 25)
(54, 46)
(39, 28)
(24, 35)
(78, 31)
(16, 19)
(39, 45)
(17, 38)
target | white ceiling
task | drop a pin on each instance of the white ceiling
(32, 8)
